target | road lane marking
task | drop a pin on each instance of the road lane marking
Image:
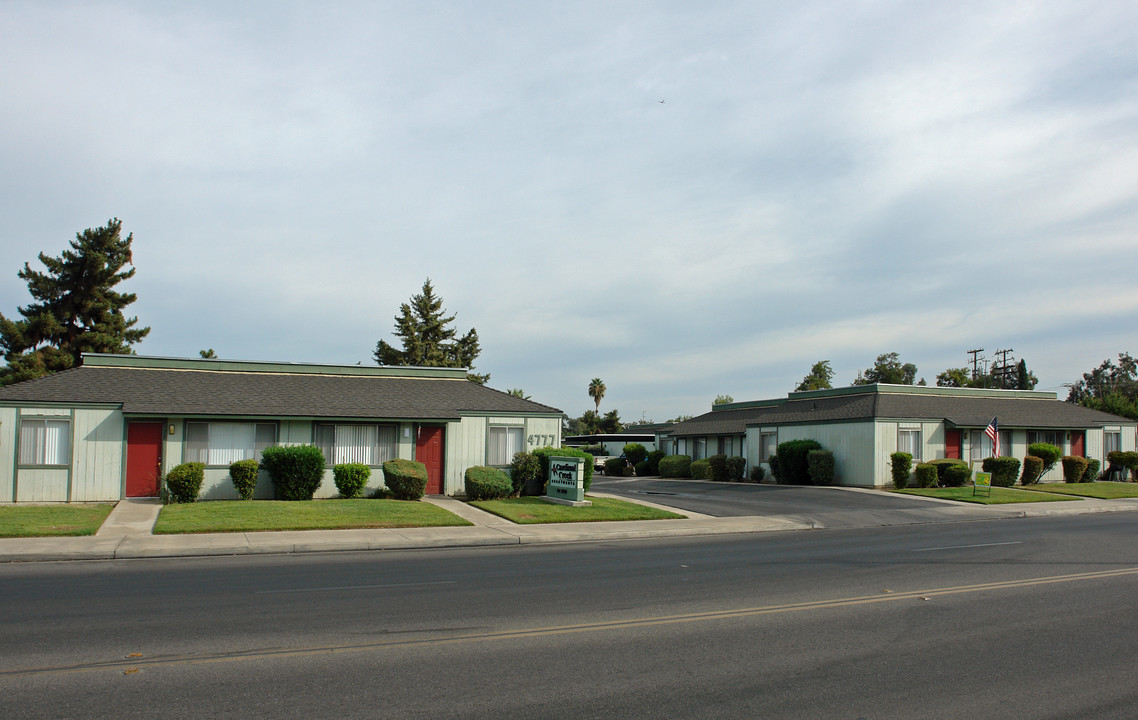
(961, 547)
(269, 653)
(354, 587)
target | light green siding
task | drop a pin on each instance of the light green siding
(7, 454)
(852, 445)
(97, 456)
(42, 485)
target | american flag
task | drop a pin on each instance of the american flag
(993, 431)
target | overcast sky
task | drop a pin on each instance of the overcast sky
(683, 199)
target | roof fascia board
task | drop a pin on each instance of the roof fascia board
(888, 389)
(170, 363)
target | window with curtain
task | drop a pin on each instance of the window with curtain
(909, 441)
(370, 444)
(1111, 441)
(45, 441)
(768, 446)
(504, 443)
(224, 443)
(981, 445)
(1051, 437)
(699, 448)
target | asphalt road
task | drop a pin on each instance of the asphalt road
(1027, 618)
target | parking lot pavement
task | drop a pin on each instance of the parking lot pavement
(822, 506)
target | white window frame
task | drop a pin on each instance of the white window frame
(1109, 445)
(370, 444)
(227, 441)
(503, 442)
(45, 442)
(913, 444)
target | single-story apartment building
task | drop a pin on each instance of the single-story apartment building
(113, 427)
(864, 424)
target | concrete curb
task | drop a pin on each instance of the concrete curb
(129, 536)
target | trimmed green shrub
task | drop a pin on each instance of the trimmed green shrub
(757, 473)
(675, 466)
(701, 470)
(642, 469)
(405, 479)
(736, 466)
(942, 465)
(926, 475)
(351, 479)
(184, 482)
(1003, 469)
(486, 483)
(1129, 460)
(653, 461)
(544, 453)
(717, 468)
(525, 471)
(902, 466)
(956, 475)
(244, 474)
(614, 467)
(1046, 452)
(1091, 475)
(296, 470)
(1117, 463)
(776, 468)
(792, 468)
(1073, 468)
(635, 453)
(1032, 469)
(820, 467)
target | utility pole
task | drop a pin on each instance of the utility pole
(1002, 371)
(975, 361)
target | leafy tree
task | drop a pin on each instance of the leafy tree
(1109, 387)
(76, 308)
(888, 369)
(597, 391)
(681, 418)
(955, 377)
(208, 354)
(423, 328)
(518, 393)
(610, 423)
(722, 400)
(820, 377)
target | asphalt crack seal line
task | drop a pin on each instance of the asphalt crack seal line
(195, 659)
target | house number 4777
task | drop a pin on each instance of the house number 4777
(540, 440)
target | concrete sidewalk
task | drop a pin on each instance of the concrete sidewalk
(127, 531)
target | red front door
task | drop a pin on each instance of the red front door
(1077, 448)
(952, 444)
(429, 451)
(143, 458)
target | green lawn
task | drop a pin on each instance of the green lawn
(45, 520)
(999, 495)
(1101, 490)
(532, 510)
(265, 515)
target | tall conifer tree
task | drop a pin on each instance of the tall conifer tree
(422, 326)
(76, 308)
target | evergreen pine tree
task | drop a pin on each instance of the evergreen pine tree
(422, 326)
(75, 308)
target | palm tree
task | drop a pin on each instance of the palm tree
(597, 391)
